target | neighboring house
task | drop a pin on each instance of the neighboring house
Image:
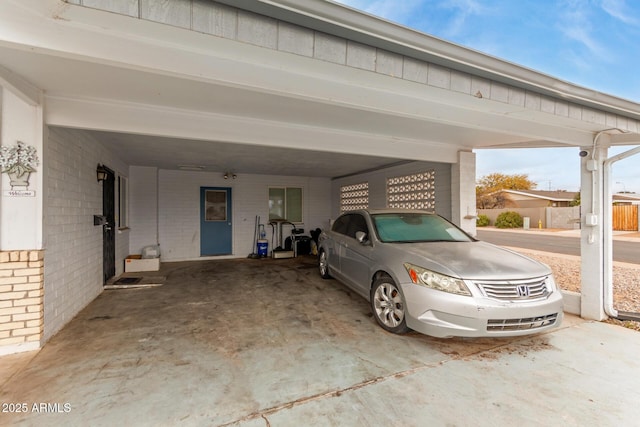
(626, 199)
(554, 199)
(537, 198)
(201, 115)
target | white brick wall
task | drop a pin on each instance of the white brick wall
(179, 208)
(378, 185)
(73, 245)
(143, 208)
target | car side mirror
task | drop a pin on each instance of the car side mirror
(361, 237)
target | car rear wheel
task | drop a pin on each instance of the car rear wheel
(388, 305)
(323, 265)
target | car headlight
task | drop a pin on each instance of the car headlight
(437, 281)
(550, 283)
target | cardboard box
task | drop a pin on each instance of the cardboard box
(135, 263)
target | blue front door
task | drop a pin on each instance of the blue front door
(215, 221)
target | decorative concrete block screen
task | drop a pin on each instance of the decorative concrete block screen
(21, 294)
(355, 196)
(416, 191)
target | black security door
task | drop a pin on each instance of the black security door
(108, 229)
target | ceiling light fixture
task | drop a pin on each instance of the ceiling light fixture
(191, 167)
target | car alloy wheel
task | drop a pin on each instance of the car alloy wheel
(388, 305)
(323, 265)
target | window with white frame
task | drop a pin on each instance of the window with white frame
(354, 196)
(416, 191)
(285, 203)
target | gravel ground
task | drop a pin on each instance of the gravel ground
(626, 281)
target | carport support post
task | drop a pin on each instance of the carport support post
(463, 192)
(592, 245)
(21, 220)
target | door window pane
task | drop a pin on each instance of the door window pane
(215, 205)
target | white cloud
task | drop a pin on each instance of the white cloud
(463, 11)
(620, 11)
(576, 25)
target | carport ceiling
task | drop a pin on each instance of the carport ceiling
(174, 153)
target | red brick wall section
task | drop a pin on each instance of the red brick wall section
(21, 297)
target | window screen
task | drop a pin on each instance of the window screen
(285, 203)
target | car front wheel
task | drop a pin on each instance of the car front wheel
(323, 265)
(388, 305)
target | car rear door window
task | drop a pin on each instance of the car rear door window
(340, 225)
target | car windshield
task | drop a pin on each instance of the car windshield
(416, 227)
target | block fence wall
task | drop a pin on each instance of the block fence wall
(21, 300)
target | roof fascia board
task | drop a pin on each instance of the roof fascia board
(537, 196)
(343, 21)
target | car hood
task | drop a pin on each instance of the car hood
(473, 260)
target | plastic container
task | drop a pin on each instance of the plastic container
(263, 247)
(151, 251)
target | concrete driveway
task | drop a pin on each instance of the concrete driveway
(268, 343)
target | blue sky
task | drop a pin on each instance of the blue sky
(591, 43)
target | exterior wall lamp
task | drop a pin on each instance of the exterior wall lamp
(101, 173)
(228, 175)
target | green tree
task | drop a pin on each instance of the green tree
(488, 195)
(576, 200)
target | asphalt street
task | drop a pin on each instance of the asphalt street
(623, 250)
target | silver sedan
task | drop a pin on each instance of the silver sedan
(421, 272)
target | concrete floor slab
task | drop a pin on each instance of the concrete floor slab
(267, 342)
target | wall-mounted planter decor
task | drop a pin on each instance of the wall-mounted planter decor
(18, 161)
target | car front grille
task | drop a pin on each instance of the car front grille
(494, 325)
(515, 290)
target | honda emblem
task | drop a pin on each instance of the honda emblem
(523, 291)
